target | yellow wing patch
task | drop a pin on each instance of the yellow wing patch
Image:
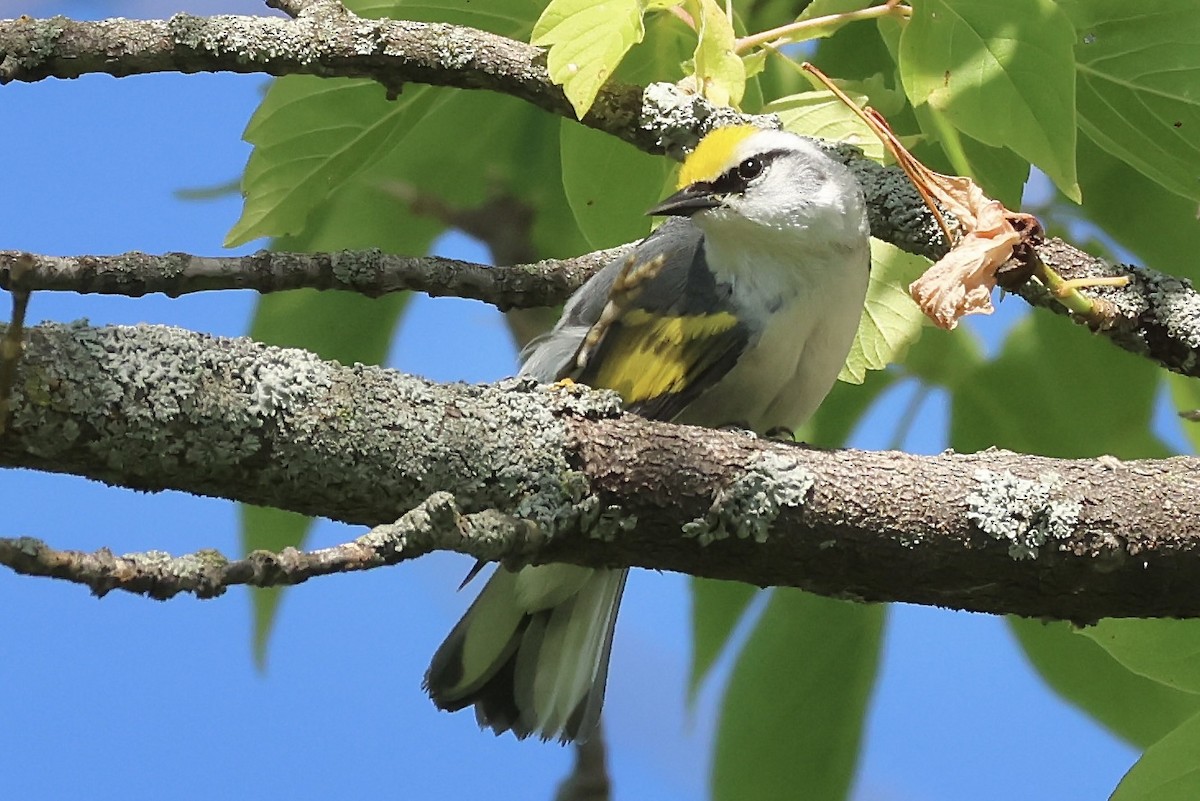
(647, 356)
(714, 154)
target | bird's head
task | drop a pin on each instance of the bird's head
(771, 180)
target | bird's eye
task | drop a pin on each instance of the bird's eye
(750, 169)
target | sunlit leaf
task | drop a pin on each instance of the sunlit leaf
(1002, 73)
(719, 72)
(310, 136)
(1138, 66)
(821, 114)
(587, 41)
(890, 321)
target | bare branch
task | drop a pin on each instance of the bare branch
(327, 40)
(369, 272)
(1157, 316)
(588, 780)
(155, 408)
(434, 524)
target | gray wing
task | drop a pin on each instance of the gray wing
(684, 286)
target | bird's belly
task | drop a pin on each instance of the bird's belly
(781, 380)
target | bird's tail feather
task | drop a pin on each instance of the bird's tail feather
(532, 652)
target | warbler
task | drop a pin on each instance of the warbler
(738, 311)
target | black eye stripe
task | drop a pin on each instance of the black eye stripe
(736, 179)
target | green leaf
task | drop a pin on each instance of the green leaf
(842, 409)
(1167, 651)
(1135, 708)
(337, 325)
(511, 18)
(500, 145)
(826, 8)
(1185, 393)
(668, 43)
(819, 113)
(310, 136)
(1138, 65)
(717, 606)
(609, 184)
(1157, 225)
(1056, 390)
(763, 15)
(271, 530)
(1001, 173)
(1002, 73)
(858, 52)
(891, 321)
(719, 71)
(587, 41)
(792, 716)
(1168, 771)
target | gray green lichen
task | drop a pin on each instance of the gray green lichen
(749, 505)
(1024, 513)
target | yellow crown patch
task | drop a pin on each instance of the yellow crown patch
(711, 156)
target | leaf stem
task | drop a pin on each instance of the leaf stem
(811, 28)
(1097, 311)
(915, 170)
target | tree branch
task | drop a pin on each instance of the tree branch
(1157, 316)
(330, 41)
(368, 272)
(155, 408)
(434, 524)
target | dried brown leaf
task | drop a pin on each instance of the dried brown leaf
(961, 282)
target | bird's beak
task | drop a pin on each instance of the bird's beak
(687, 201)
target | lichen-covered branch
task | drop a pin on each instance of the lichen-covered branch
(369, 272)
(559, 474)
(1157, 316)
(434, 524)
(330, 41)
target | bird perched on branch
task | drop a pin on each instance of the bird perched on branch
(739, 311)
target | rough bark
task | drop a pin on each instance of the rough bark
(531, 473)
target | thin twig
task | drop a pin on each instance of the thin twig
(12, 344)
(804, 29)
(435, 524)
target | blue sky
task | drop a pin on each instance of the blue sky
(128, 698)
